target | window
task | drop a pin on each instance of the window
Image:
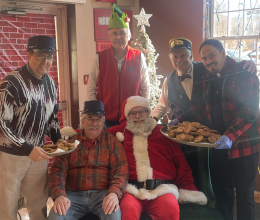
(236, 23)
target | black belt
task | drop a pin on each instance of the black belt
(149, 184)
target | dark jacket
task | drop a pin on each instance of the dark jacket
(240, 108)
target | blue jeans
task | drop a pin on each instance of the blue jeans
(84, 202)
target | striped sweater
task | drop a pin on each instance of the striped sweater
(28, 108)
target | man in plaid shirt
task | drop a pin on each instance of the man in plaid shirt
(92, 178)
(230, 104)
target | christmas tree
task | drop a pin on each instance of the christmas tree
(144, 44)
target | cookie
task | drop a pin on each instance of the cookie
(185, 123)
(198, 139)
(212, 139)
(172, 134)
(196, 124)
(179, 130)
(214, 131)
(191, 138)
(182, 137)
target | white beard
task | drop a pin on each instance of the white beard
(139, 128)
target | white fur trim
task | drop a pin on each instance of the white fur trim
(120, 136)
(144, 170)
(152, 194)
(135, 101)
(67, 132)
(188, 196)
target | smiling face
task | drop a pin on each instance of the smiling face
(213, 59)
(119, 38)
(181, 60)
(40, 63)
(93, 125)
(138, 114)
(138, 120)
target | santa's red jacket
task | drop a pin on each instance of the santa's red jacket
(153, 156)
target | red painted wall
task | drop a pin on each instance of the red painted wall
(173, 18)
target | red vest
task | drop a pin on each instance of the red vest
(114, 88)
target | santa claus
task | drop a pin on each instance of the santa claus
(159, 175)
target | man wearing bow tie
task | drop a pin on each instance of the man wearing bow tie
(182, 88)
(180, 84)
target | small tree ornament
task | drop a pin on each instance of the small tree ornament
(144, 44)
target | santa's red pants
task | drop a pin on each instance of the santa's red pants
(165, 207)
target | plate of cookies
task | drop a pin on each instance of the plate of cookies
(192, 133)
(60, 148)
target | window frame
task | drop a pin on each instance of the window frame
(212, 21)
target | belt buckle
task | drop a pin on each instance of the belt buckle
(144, 187)
(144, 184)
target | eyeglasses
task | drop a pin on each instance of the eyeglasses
(140, 112)
(42, 57)
(121, 34)
(92, 120)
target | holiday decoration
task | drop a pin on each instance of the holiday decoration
(144, 44)
(143, 18)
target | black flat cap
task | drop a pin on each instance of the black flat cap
(41, 44)
(94, 107)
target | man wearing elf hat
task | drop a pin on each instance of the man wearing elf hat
(118, 72)
(28, 112)
(182, 88)
(159, 175)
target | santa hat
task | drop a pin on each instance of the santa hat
(136, 101)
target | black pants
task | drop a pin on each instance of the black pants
(227, 174)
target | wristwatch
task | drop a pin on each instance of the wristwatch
(156, 118)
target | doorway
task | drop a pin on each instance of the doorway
(22, 20)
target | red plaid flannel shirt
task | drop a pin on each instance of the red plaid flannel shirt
(104, 166)
(240, 108)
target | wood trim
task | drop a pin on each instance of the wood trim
(64, 74)
(257, 196)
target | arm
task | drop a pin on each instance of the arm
(93, 80)
(195, 113)
(145, 81)
(8, 103)
(164, 105)
(58, 175)
(119, 168)
(53, 127)
(248, 98)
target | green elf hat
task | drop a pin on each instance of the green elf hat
(118, 19)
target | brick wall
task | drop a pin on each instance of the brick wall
(14, 34)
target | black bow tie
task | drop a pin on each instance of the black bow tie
(184, 76)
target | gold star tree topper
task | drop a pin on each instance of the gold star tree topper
(143, 18)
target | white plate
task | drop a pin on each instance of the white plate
(200, 144)
(65, 152)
